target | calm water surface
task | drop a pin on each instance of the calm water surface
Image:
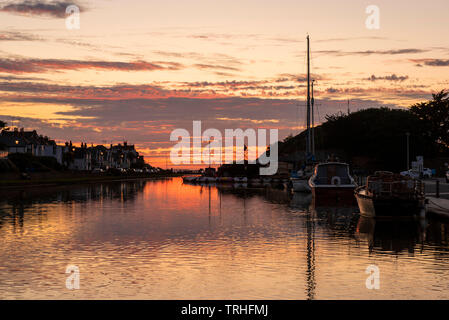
(166, 240)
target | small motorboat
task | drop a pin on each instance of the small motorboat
(225, 179)
(189, 179)
(255, 182)
(299, 181)
(266, 180)
(300, 184)
(331, 184)
(205, 179)
(240, 185)
(390, 195)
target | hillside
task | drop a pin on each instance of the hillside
(372, 138)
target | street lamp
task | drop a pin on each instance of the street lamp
(408, 150)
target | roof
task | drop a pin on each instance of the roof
(25, 138)
(11, 141)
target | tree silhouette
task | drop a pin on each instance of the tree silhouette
(434, 115)
(376, 134)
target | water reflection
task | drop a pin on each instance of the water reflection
(165, 239)
(311, 282)
(15, 203)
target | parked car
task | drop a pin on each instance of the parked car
(25, 176)
(447, 177)
(410, 173)
(427, 173)
(97, 170)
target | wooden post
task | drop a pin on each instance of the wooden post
(438, 188)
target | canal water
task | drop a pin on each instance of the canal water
(167, 240)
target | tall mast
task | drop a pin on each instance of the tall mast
(313, 120)
(309, 142)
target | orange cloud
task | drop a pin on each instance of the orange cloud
(23, 65)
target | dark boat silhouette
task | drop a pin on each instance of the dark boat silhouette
(332, 184)
(390, 195)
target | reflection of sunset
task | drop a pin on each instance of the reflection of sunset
(164, 239)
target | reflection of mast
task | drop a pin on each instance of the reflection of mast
(219, 193)
(209, 206)
(244, 208)
(311, 284)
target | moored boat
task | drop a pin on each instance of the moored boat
(240, 185)
(205, 179)
(189, 179)
(300, 184)
(331, 184)
(255, 182)
(390, 195)
(299, 180)
(266, 180)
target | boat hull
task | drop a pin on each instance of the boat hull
(300, 185)
(334, 196)
(370, 207)
(189, 179)
(255, 183)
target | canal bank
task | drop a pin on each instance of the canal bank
(71, 179)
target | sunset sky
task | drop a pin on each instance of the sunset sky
(136, 70)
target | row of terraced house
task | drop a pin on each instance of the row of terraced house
(120, 156)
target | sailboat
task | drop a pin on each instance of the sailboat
(330, 181)
(300, 179)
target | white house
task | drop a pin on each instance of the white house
(20, 141)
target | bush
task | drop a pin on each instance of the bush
(29, 163)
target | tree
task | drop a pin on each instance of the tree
(435, 116)
(288, 138)
(2, 124)
(376, 134)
